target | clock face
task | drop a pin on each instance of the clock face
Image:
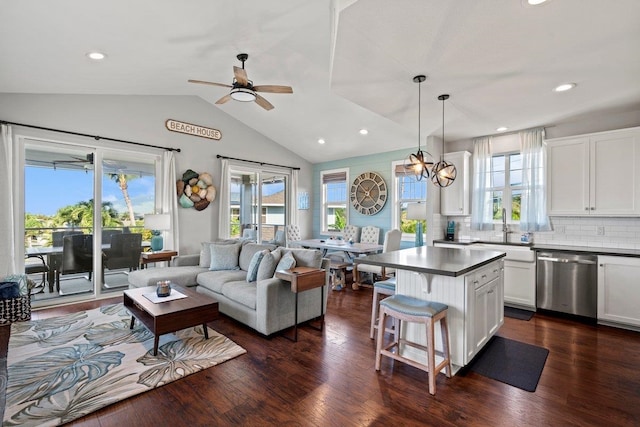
(368, 193)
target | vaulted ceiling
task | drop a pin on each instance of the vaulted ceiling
(350, 63)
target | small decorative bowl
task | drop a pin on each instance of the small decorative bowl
(163, 288)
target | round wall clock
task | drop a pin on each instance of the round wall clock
(368, 193)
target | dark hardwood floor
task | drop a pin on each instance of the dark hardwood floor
(591, 378)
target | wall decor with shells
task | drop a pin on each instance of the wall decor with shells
(195, 190)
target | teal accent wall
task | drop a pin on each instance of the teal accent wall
(379, 163)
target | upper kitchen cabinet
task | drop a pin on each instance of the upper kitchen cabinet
(596, 174)
(454, 199)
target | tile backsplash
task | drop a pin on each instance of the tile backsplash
(574, 231)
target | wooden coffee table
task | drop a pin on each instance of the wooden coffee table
(171, 316)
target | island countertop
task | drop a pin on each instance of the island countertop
(433, 260)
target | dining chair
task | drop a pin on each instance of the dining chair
(279, 239)
(392, 240)
(370, 234)
(124, 252)
(77, 256)
(351, 233)
(107, 234)
(293, 234)
(250, 234)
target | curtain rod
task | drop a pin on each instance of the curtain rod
(260, 163)
(96, 137)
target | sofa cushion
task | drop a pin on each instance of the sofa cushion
(241, 292)
(224, 256)
(307, 257)
(205, 250)
(267, 266)
(215, 280)
(183, 276)
(247, 252)
(286, 262)
(254, 265)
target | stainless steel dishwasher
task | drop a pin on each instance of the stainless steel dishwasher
(567, 283)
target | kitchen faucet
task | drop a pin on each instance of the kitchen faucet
(505, 228)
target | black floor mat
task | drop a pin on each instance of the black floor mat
(516, 313)
(511, 362)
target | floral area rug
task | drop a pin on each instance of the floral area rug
(63, 368)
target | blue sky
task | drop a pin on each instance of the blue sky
(48, 190)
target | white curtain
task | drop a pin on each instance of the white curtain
(293, 198)
(169, 199)
(481, 200)
(533, 208)
(224, 218)
(8, 262)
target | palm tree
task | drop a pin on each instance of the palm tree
(122, 180)
(81, 215)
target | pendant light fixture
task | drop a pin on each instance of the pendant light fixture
(417, 164)
(443, 173)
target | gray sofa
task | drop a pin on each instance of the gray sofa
(266, 305)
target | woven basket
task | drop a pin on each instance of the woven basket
(19, 308)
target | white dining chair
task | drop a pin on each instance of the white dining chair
(391, 243)
(370, 234)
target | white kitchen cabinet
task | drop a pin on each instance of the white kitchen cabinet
(486, 313)
(596, 174)
(455, 199)
(619, 290)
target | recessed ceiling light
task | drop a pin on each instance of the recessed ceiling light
(564, 87)
(363, 131)
(502, 129)
(535, 2)
(97, 56)
(321, 141)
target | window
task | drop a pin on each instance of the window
(506, 185)
(335, 214)
(407, 190)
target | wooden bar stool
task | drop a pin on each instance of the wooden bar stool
(409, 309)
(384, 287)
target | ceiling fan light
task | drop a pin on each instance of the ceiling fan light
(243, 94)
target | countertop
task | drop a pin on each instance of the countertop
(433, 260)
(553, 247)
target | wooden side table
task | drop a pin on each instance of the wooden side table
(160, 256)
(303, 279)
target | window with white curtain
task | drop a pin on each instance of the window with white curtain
(335, 199)
(505, 185)
(407, 190)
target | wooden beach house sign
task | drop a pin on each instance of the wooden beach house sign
(190, 129)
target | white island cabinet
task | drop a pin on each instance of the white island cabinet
(469, 282)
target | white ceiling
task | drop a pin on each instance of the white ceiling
(350, 63)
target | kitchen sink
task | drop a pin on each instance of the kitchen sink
(515, 252)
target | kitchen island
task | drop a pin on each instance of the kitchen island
(470, 282)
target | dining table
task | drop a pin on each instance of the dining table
(350, 249)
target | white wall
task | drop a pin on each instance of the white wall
(141, 119)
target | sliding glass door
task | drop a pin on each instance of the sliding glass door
(258, 203)
(83, 213)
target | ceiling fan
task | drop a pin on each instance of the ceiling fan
(87, 163)
(243, 89)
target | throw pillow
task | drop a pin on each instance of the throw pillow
(286, 262)
(224, 256)
(267, 266)
(205, 254)
(254, 265)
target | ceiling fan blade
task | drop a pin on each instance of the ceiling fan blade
(241, 75)
(273, 89)
(263, 103)
(202, 82)
(223, 99)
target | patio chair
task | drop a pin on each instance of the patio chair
(77, 256)
(124, 252)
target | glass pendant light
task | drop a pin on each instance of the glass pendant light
(443, 173)
(417, 164)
